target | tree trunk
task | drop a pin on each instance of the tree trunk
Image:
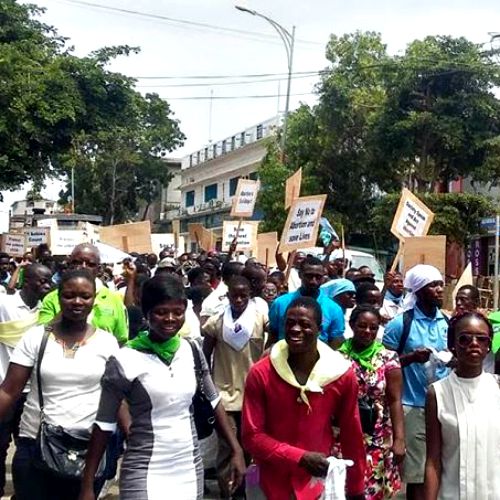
(113, 194)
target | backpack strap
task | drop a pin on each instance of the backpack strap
(41, 352)
(407, 321)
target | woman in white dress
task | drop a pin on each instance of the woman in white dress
(463, 419)
(155, 375)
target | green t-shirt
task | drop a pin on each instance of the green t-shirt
(108, 313)
(495, 322)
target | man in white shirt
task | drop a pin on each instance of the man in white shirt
(18, 313)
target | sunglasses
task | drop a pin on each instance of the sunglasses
(466, 339)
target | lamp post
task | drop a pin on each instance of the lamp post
(288, 40)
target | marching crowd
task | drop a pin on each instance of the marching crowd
(311, 377)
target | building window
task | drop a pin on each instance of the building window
(190, 160)
(233, 143)
(210, 192)
(260, 131)
(189, 198)
(206, 154)
(242, 139)
(198, 157)
(233, 183)
(214, 155)
(254, 176)
(224, 147)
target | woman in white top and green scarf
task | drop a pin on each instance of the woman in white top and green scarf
(463, 419)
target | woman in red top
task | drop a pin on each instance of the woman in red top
(290, 399)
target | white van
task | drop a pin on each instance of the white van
(355, 258)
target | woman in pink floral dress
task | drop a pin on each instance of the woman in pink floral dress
(380, 383)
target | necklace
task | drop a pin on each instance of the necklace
(71, 347)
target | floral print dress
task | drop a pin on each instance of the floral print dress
(382, 475)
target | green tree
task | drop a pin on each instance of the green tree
(441, 114)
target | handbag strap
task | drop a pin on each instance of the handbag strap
(197, 363)
(41, 352)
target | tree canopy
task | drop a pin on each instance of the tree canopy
(420, 120)
(61, 112)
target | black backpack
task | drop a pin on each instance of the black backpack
(407, 321)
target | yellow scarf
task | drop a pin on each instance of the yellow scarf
(12, 331)
(330, 366)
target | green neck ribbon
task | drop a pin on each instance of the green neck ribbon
(164, 350)
(364, 358)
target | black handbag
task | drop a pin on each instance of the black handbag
(367, 415)
(59, 451)
(204, 415)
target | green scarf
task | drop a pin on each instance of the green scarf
(164, 350)
(364, 358)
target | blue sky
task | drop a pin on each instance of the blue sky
(173, 49)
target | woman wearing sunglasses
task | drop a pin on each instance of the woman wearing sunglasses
(463, 419)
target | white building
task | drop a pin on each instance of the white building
(209, 178)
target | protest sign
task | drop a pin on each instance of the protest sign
(62, 242)
(412, 217)
(292, 188)
(204, 238)
(302, 223)
(425, 250)
(132, 237)
(465, 279)
(35, 236)
(267, 243)
(245, 198)
(91, 233)
(247, 235)
(13, 244)
(50, 223)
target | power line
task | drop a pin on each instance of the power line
(229, 97)
(215, 77)
(217, 84)
(185, 22)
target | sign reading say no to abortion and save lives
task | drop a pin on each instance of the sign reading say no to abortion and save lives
(302, 224)
(245, 198)
(412, 217)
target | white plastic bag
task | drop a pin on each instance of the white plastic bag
(335, 479)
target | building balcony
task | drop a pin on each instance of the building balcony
(185, 212)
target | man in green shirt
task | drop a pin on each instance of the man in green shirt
(108, 313)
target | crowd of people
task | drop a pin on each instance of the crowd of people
(303, 372)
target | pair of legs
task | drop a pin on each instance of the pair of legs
(32, 483)
(414, 464)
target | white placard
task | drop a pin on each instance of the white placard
(302, 224)
(159, 241)
(36, 236)
(245, 198)
(51, 223)
(412, 217)
(13, 244)
(63, 242)
(247, 235)
(91, 233)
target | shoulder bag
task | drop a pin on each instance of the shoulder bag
(204, 415)
(59, 451)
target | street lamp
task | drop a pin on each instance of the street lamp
(288, 40)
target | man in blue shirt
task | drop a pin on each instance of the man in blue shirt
(311, 274)
(426, 329)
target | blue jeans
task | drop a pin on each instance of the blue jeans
(31, 483)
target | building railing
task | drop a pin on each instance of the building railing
(202, 207)
(237, 141)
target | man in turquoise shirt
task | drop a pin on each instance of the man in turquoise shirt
(311, 274)
(428, 329)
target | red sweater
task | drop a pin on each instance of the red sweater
(278, 428)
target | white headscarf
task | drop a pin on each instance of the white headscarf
(416, 278)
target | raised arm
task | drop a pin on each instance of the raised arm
(434, 442)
